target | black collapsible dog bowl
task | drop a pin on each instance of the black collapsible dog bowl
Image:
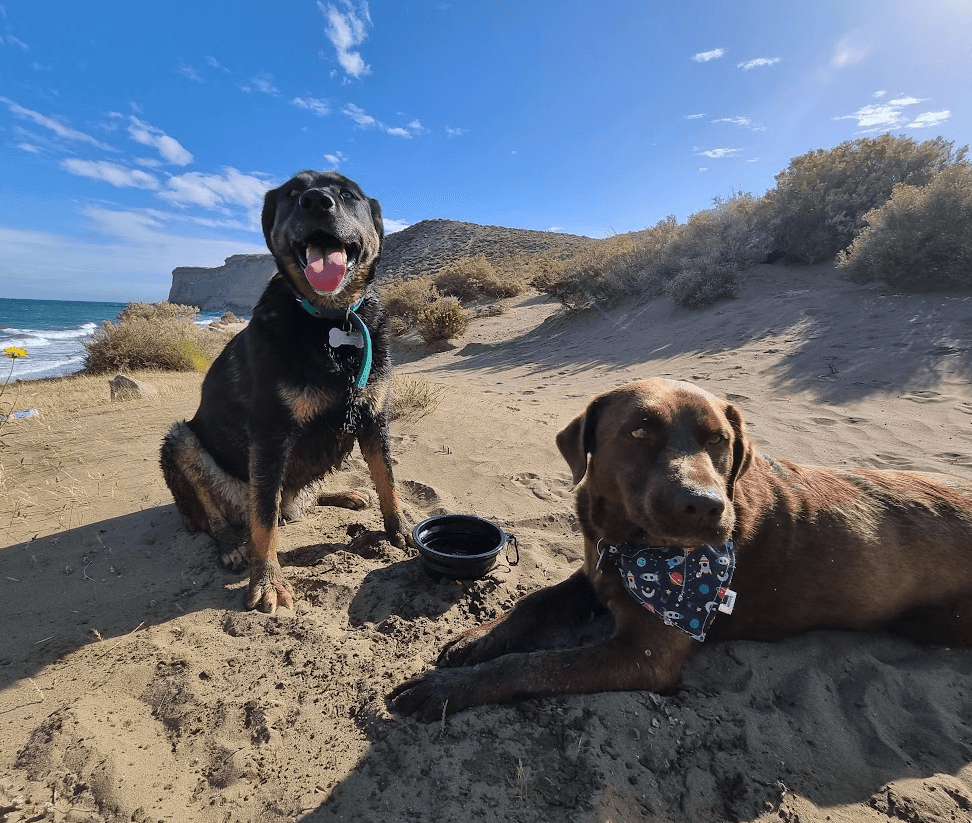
(461, 546)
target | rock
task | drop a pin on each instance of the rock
(125, 388)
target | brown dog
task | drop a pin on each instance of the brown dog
(666, 464)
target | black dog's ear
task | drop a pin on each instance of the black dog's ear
(742, 448)
(376, 217)
(269, 214)
(577, 441)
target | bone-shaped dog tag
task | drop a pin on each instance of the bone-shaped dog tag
(338, 337)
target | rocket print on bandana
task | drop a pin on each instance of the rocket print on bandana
(685, 587)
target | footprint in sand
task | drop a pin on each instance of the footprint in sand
(964, 407)
(541, 487)
(892, 461)
(419, 493)
(737, 398)
(926, 396)
(823, 421)
(957, 458)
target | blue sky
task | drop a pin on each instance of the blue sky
(137, 137)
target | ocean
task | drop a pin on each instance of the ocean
(53, 333)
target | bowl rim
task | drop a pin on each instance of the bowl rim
(502, 536)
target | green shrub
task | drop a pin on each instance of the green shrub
(153, 336)
(474, 277)
(921, 239)
(442, 320)
(406, 299)
(818, 204)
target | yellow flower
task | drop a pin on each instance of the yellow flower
(13, 352)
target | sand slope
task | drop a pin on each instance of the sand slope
(133, 685)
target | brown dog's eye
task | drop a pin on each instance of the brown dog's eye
(715, 439)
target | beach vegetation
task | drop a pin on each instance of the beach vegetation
(920, 239)
(472, 278)
(160, 336)
(413, 398)
(442, 320)
(404, 300)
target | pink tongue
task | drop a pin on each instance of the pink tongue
(326, 269)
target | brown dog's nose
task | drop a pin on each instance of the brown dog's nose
(698, 507)
(315, 199)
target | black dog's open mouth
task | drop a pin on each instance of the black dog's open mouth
(326, 261)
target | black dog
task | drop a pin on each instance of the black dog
(283, 404)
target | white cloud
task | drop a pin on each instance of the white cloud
(29, 147)
(391, 226)
(335, 158)
(262, 83)
(758, 62)
(706, 56)
(346, 30)
(891, 114)
(232, 187)
(745, 122)
(314, 104)
(929, 119)
(56, 126)
(848, 52)
(879, 94)
(359, 116)
(113, 173)
(455, 132)
(717, 154)
(190, 73)
(694, 116)
(168, 147)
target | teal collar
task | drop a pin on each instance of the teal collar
(359, 336)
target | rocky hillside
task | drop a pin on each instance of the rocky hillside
(419, 249)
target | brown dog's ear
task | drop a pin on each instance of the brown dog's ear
(577, 441)
(269, 214)
(742, 447)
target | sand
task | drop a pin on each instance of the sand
(134, 686)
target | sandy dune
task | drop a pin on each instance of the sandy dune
(135, 687)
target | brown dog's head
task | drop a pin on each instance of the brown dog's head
(664, 460)
(325, 235)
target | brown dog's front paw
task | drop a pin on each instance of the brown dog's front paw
(268, 589)
(433, 695)
(471, 647)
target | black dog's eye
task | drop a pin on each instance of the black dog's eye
(347, 194)
(641, 434)
(293, 193)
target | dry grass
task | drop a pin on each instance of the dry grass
(473, 277)
(413, 398)
(442, 320)
(405, 300)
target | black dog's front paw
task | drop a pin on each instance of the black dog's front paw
(433, 695)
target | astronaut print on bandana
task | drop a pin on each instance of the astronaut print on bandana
(684, 587)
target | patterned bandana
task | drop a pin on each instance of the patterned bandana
(684, 587)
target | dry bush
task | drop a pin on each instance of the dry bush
(153, 336)
(921, 239)
(700, 285)
(413, 398)
(474, 277)
(818, 204)
(406, 299)
(442, 320)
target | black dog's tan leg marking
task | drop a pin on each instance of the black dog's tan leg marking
(376, 449)
(209, 499)
(267, 587)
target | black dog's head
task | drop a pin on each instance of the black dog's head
(325, 235)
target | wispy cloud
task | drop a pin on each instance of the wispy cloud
(743, 122)
(262, 83)
(453, 132)
(706, 56)
(759, 62)
(718, 154)
(168, 147)
(191, 74)
(29, 147)
(113, 173)
(347, 30)
(694, 116)
(363, 120)
(335, 158)
(313, 104)
(232, 187)
(52, 124)
(891, 114)
(391, 226)
(848, 52)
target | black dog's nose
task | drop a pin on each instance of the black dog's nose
(316, 199)
(699, 506)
